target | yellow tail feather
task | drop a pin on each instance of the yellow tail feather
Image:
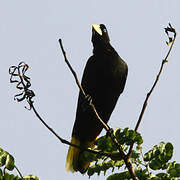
(72, 156)
(74, 160)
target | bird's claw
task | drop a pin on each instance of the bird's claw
(87, 102)
(109, 132)
(88, 98)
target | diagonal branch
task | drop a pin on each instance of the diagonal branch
(63, 140)
(171, 43)
(80, 87)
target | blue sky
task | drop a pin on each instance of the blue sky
(29, 31)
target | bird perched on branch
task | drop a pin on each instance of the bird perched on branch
(103, 80)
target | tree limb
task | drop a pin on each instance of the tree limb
(171, 43)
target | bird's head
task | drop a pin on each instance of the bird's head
(100, 35)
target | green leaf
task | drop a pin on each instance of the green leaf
(141, 174)
(3, 156)
(177, 166)
(105, 144)
(126, 132)
(104, 166)
(10, 162)
(128, 136)
(1, 174)
(90, 171)
(159, 155)
(138, 139)
(169, 150)
(174, 169)
(148, 156)
(94, 169)
(118, 163)
(155, 164)
(31, 177)
(132, 134)
(6, 159)
(87, 156)
(10, 177)
(135, 155)
(120, 176)
(162, 175)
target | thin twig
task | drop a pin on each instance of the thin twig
(71, 69)
(145, 163)
(18, 171)
(106, 127)
(171, 41)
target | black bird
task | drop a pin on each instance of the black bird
(103, 80)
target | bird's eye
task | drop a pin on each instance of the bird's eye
(105, 30)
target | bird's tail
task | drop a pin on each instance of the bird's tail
(74, 161)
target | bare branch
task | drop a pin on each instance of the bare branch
(171, 43)
(63, 140)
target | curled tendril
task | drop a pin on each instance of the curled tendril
(23, 82)
(169, 29)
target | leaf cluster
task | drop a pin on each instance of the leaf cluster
(101, 163)
(154, 164)
(7, 162)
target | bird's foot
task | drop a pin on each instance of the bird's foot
(109, 132)
(86, 102)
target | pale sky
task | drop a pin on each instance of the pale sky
(29, 31)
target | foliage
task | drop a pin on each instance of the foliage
(154, 164)
(7, 162)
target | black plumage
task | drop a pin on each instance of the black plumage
(103, 79)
